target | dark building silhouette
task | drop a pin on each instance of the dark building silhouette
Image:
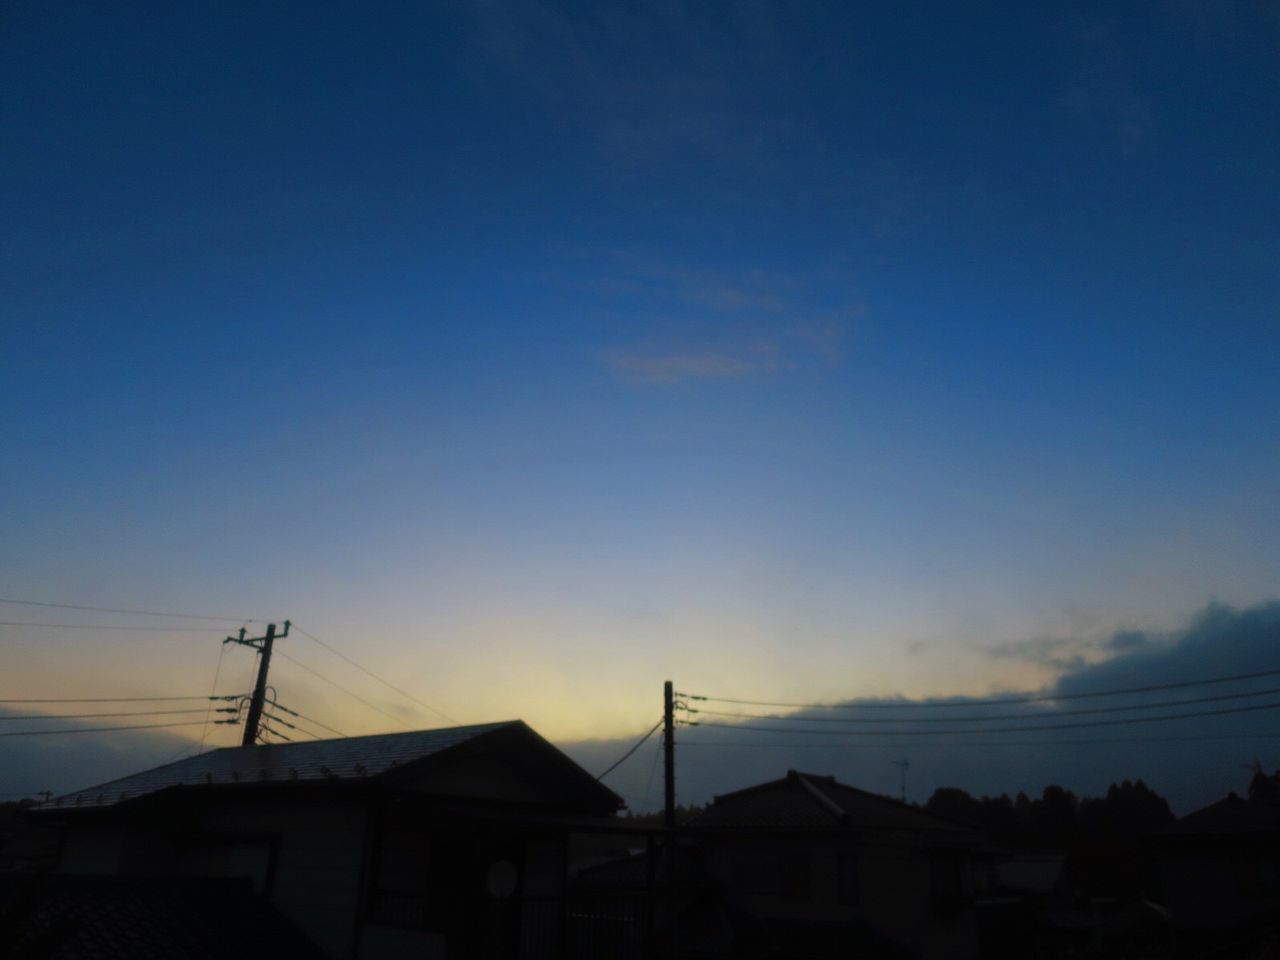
(439, 843)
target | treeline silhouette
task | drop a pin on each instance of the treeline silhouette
(1057, 818)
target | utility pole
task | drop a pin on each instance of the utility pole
(669, 754)
(263, 646)
(902, 765)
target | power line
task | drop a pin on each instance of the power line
(365, 670)
(83, 716)
(990, 717)
(140, 726)
(277, 733)
(336, 685)
(313, 734)
(199, 696)
(622, 759)
(213, 691)
(139, 613)
(300, 716)
(285, 723)
(130, 628)
(653, 767)
(934, 704)
(953, 732)
(898, 744)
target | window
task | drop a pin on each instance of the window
(400, 882)
(949, 872)
(214, 856)
(785, 875)
(847, 878)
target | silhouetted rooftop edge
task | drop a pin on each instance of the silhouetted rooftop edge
(358, 759)
(807, 801)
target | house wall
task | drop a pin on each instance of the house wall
(435, 901)
(304, 856)
(749, 866)
(902, 900)
(1222, 887)
(92, 849)
(895, 893)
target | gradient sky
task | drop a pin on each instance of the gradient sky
(535, 353)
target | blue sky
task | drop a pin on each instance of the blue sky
(534, 353)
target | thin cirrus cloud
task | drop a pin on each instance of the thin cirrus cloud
(675, 366)
(788, 348)
(724, 327)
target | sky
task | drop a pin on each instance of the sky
(533, 354)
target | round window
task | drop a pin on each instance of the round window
(502, 879)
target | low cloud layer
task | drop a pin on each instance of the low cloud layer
(1191, 761)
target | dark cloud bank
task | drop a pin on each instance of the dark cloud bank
(1176, 758)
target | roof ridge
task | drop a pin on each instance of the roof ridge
(300, 752)
(716, 798)
(833, 808)
(364, 736)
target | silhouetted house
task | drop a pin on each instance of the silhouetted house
(1219, 867)
(24, 847)
(45, 917)
(806, 866)
(437, 843)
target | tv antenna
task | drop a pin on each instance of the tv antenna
(902, 766)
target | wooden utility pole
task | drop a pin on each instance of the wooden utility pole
(669, 754)
(263, 646)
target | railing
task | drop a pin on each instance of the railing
(594, 926)
(605, 926)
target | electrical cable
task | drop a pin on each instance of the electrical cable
(336, 685)
(131, 628)
(217, 672)
(622, 759)
(277, 733)
(285, 723)
(301, 716)
(365, 670)
(200, 696)
(952, 732)
(653, 767)
(991, 717)
(84, 716)
(899, 744)
(934, 704)
(139, 613)
(139, 726)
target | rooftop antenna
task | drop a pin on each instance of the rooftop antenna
(902, 766)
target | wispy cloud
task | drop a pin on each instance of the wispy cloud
(675, 366)
(1084, 643)
(1105, 92)
(704, 324)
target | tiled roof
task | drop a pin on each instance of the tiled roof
(805, 801)
(348, 758)
(1230, 815)
(92, 918)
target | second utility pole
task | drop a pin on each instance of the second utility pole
(669, 754)
(263, 646)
